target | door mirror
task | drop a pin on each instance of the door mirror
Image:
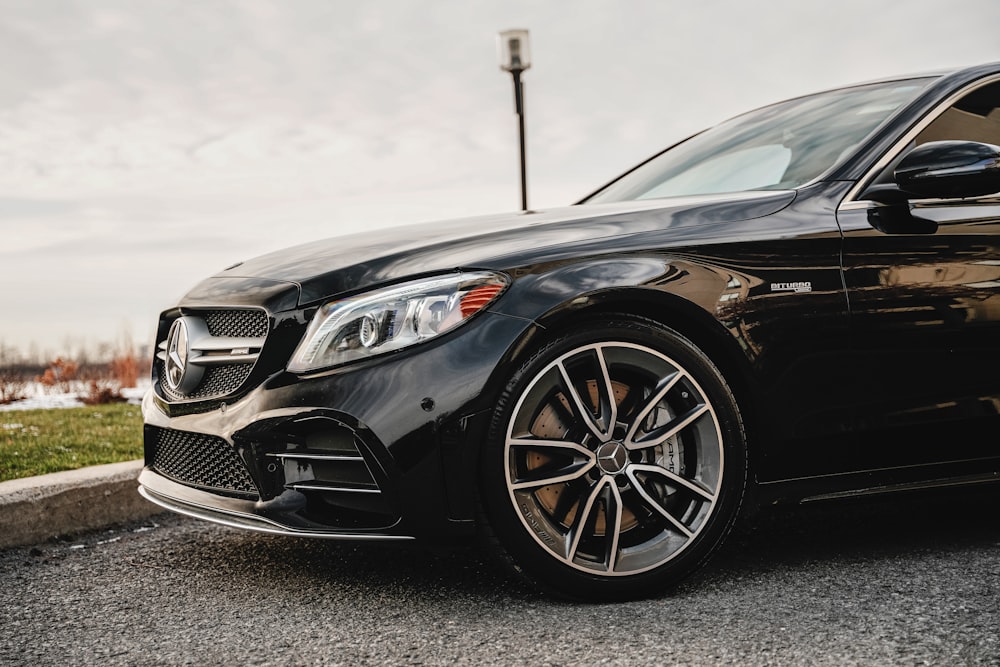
(949, 169)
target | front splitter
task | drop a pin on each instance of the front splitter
(235, 516)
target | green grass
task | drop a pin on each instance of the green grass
(35, 442)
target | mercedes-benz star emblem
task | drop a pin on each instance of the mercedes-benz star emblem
(612, 457)
(181, 376)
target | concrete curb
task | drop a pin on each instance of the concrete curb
(36, 509)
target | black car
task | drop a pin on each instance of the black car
(800, 303)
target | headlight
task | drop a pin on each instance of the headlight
(390, 319)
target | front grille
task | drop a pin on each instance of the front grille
(248, 326)
(196, 459)
(236, 323)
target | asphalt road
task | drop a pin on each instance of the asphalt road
(911, 580)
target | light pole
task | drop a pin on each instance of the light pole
(515, 57)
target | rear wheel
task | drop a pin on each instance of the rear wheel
(616, 461)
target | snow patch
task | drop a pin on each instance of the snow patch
(39, 399)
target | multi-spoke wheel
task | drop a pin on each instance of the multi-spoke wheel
(616, 462)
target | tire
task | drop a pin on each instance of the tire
(615, 463)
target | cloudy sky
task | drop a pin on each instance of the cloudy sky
(146, 145)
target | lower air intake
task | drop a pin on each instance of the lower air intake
(200, 460)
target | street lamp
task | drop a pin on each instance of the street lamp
(515, 57)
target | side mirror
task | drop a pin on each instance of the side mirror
(935, 170)
(949, 169)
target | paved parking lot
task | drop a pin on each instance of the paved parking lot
(909, 580)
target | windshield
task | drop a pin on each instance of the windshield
(779, 147)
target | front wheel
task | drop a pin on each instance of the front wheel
(616, 461)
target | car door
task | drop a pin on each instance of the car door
(925, 310)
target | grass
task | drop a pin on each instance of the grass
(35, 442)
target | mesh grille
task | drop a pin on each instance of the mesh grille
(200, 460)
(236, 323)
(218, 381)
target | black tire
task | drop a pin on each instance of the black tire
(615, 463)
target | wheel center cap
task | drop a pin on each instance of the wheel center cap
(612, 457)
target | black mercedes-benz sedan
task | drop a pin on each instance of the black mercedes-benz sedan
(800, 303)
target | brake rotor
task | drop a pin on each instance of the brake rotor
(550, 424)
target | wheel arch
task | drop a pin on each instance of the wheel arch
(682, 315)
(679, 314)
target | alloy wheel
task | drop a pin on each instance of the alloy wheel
(614, 458)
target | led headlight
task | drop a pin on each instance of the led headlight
(390, 319)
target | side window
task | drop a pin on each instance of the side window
(975, 117)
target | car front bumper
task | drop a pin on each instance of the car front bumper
(384, 450)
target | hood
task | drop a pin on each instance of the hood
(327, 268)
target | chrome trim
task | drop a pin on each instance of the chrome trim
(237, 350)
(306, 486)
(857, 205)
(315, 457)
(849, 202)
(224, 359)
(866, 204)
(214, 343)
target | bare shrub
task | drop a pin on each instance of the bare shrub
(61, 375)
(12, 386)
(102, 392)
(125, 368)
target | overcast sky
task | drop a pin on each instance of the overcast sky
(146, 145)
